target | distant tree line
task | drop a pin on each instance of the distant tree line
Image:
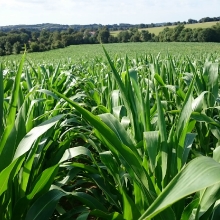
(13, 42)
(37, 41)
(182, 34)
(94, 27)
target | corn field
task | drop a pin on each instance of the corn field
(116, 138)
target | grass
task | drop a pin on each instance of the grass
(157, 30)
(76, 53)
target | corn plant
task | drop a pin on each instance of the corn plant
(150, 160)
(122, 139)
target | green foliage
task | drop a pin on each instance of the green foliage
(110, 138)
(38, 41)
(103, 35)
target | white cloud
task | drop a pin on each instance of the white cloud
(104, 11)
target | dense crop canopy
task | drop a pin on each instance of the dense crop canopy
(110, 139)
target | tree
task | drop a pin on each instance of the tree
(34, 47)
(112, 39)
(8, 48)
(192, 21)
(206, 19)
(2, 34)
(103, 35)
(66, 39)
(207, 35)
(44, 36)
(24, 38)
(77, 38)
(195, 33)
(35, 35)
(56, 44)
(133, 30)
(176, 32)
(165, 35)
(56, 36)
(2, 52)
(17, 47)
(141, 25)
(123, 36)
(87, 36)
(217, 30)
(186, 35)
(13, 38)
(145, 35)
(168, 24)
(135, 37)
(70, 30)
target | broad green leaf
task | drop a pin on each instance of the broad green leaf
(9, 172)
(83, 216)
(204, 118)
(113, 169)
(118, 129)
(126, 94)
(197, 103)
(198, 174)
(55, 74)
(44, 207)
(182, 124)
(147, 109)
(119, 81)
(185, 112)
(207, 198)
(187, 146)
(100, 182)
(139, 101)
(151, 141)
(88, 168)
(28, 79)
(116, 146)
(74, 152)
(112, 166)
(27, 168)
(96, 97)
(115, 98)
(49, 93)
(163, 136)
(216, 211)
(119, 112)
(210, 76)
(43, 182)
(17, 133)
(187, 213)
(216, 154)
(89, 200)
(159, 79)
(85, 198)
(13, 106)
(130, 210)
(35, 133)
(30, 116)
(1, 100)
(8, 84)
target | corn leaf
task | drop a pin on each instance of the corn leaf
(200, 173)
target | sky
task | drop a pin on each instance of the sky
(13, 12)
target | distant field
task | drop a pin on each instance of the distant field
(76, 53)
(157, 30)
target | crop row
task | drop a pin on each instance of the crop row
(116, 139)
